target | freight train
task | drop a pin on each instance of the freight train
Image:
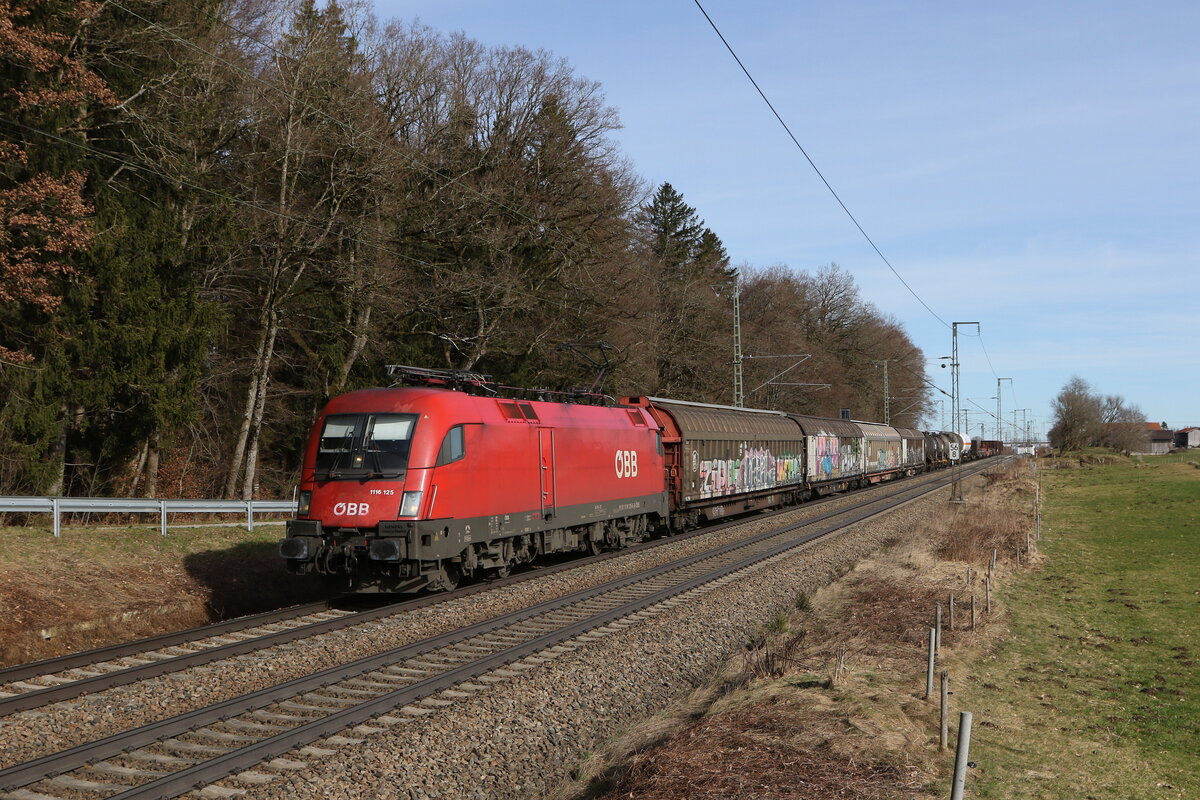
(448, 477)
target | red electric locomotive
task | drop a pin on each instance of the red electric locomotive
(418, 487)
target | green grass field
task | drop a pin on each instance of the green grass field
(1096, 692)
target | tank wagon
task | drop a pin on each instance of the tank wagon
(421, 486)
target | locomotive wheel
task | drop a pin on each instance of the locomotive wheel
(340, 582)
(449, 576)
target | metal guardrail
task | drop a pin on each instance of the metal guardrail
(82, 505)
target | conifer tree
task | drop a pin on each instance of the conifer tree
(686, 267)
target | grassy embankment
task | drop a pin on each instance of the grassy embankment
(1083, 681)
(97, 586)
(1095, 691)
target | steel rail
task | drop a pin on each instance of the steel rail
(214, 769)
(65, 691)
(73, 758)
(85, 658)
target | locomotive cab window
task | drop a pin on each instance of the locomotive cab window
(452, 447)
(357, 446)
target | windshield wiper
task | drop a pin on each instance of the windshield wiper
(337, 459)
(369, 445)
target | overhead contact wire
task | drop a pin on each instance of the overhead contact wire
(812, 164)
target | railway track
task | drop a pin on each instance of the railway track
(345, 703)
(40, 683)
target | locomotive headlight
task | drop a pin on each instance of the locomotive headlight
(410, 504)
(304, 504)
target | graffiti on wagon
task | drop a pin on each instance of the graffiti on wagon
(756, 468)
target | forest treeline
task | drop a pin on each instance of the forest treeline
(216, 214)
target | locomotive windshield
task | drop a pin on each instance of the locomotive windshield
(356, 446)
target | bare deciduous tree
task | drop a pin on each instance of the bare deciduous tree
(1077, 416)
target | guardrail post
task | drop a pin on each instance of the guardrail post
(57, 523)
(162, 516)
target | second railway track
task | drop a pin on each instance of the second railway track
(174, 755)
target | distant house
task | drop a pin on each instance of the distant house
(1158, 439)
(1187, 437)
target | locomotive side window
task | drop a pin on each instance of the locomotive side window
(364, 445)
(452, 446)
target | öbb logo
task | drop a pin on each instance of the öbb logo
(626, 463)
(351, 509)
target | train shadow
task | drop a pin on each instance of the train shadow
(249, 578)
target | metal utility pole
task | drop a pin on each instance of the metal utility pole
(887, 410)
(956, 490)
(739, 391)
(999, 417)
(1023, 428)
(955, 397)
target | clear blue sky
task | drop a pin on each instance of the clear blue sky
(1034, 166)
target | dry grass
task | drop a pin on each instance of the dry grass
(832, 705)
(94, 587)
(997, 521)
(761, 750)
(770, 661)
